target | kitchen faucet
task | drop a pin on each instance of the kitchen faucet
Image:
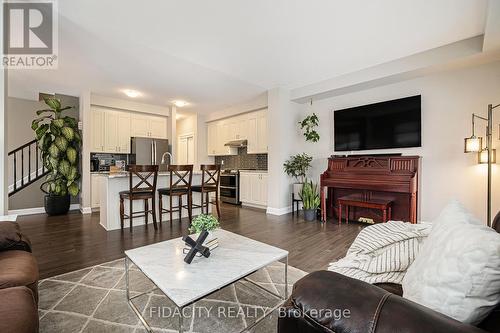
(171, 159)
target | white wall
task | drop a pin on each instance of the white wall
(259, 102)
(448, 100)
(282, 118)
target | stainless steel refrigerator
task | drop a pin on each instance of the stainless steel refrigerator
(147, 151)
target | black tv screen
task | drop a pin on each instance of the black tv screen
(391, 124)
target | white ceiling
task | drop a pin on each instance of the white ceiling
(218, 53)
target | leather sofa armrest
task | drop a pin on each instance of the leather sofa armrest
(11, 238)
(325, 301)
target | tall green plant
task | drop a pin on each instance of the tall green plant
(310, 195)
(59, 141)
(297, 166)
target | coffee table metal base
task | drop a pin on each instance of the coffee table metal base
(180, 309)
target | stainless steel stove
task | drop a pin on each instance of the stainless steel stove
(229, 186)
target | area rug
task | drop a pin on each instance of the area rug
(92, 300)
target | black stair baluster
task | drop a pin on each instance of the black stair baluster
(22, 167)
(29, 164)
(15, 172)
(30, 178)
(36, 162)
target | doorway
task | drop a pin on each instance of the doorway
(186, 149)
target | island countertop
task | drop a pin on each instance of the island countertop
(112, 184)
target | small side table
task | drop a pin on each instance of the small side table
(356, 200)
(296, 202)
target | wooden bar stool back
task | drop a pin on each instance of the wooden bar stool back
(209, 184)
(179, 187)
(143, 187)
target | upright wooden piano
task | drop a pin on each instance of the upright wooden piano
(385, 176)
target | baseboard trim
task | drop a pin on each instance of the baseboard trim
(86, 210)
(37, 210)
(244, 204)
(278, 211)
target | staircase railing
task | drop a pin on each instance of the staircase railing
(34, 169)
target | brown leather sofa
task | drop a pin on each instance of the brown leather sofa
(18, 282)
(319, 299)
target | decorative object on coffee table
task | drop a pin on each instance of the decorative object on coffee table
(183, 285)
(204, 222)
(310, 199)
(196, 246)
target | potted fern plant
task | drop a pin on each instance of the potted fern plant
(310, 199)
(296, 166)
(204, 222)
(59, 142)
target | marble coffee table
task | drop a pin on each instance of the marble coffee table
(236, 258)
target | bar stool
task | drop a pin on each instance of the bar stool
(179, 188)
(143, 190)
(209, 184)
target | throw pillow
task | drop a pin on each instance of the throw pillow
(457, 271)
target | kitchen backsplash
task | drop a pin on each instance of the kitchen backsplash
(109, 158)
(243, 160)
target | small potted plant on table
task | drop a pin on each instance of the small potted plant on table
(205, 222)
(296, 166)
(310, 199)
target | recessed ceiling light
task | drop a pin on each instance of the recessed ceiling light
(180, 103)
(131, 93)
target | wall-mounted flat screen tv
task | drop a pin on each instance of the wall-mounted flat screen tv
(385, 125)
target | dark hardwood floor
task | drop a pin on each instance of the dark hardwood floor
(65, 243)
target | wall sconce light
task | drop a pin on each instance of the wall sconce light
(483, 156)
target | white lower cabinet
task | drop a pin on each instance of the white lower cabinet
(253, 188)
(95, 189)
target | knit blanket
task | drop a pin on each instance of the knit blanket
(382, 252)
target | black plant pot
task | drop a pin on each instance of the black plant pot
(57, 204)
(309, 214)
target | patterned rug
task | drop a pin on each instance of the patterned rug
(92, 300)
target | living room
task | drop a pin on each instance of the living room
(333, 172)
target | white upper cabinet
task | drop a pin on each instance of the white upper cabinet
(257, 132)
(117, 132)
(140, 125)
(212, 139)
(97, 130)
(111, 130)
(218, 134)
(123, 132)
(242, 128)
(149, 126)
(251, 126)
(158, 127)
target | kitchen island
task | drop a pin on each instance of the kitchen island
(112, 184)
